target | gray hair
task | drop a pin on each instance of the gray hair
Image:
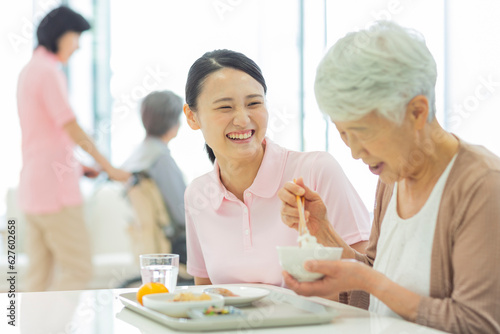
(381, 68)
(160, 112)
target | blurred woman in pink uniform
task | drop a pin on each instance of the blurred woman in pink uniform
(58, 244)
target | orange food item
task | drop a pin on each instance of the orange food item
(149, 288)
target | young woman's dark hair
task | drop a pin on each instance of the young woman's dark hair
(213, 61)
(56, 23)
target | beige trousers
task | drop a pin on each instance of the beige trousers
(58, 248)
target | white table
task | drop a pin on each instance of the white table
(99, 311)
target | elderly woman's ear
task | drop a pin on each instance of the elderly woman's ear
(418, 110)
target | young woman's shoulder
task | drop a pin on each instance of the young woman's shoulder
(316, 161)
(205, 184)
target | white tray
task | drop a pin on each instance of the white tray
(277, 309)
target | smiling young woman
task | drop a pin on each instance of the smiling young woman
(233, 118)
(233, 221)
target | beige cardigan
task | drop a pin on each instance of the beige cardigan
(465, 263)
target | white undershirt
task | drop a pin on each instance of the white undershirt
(405, 245)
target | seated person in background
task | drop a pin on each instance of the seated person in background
(160, 113)
(233, 221)
(436, 229)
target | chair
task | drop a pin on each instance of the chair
(150, 217)
(151, 225)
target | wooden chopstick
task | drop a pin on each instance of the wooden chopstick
(302, 219)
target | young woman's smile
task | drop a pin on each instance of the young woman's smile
(241, 136)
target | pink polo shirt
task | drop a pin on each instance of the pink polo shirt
(50, 174)
(231, 241)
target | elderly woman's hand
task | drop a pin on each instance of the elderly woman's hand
(342, 275)
(348, 275)
(116, 174)
(315, 210)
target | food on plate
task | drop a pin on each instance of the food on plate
(212, 310)
(149, 288)
(189, 297)
(221, 291)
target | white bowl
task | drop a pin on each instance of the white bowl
(292, 260)
(161, 302)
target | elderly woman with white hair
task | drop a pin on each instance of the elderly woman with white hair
(436, 231)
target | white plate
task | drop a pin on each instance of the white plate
(246, 295)
(161, 302)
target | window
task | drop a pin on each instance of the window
(151, 44)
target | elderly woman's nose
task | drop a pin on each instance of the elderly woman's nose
(355, 146)
(356, 153)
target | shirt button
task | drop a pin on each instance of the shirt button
(247, 232)
(245, 210)
(248, 195)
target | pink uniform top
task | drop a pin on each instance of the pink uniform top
(50, 174)
(231, 241)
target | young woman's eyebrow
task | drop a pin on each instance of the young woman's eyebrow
(254, 95)
(224, 99)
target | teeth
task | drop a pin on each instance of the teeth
(240, 136)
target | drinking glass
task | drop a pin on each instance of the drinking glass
(161, 268)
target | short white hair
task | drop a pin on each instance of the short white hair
(381, 68)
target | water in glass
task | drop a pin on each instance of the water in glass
(164, 274)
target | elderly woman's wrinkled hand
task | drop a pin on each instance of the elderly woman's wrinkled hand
(342, 275)
(315, 210)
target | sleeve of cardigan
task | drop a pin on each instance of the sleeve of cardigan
(474, 304)
(361, 299)
(381, 200)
